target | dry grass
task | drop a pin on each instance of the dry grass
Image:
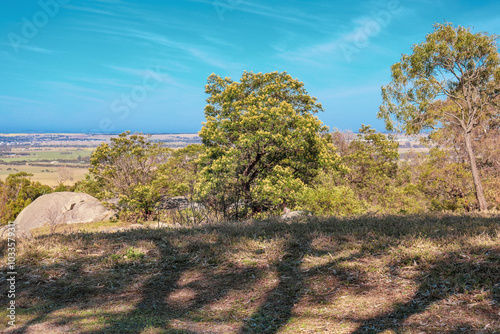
(104, 226)
(394, 274)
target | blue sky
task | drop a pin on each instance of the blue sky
(112, 65)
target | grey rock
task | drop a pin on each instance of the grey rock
(167, 225)
(294, 214)
(169, 203)
(179, 203)
(61, 208)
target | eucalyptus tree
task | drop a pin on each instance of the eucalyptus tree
(450, 79)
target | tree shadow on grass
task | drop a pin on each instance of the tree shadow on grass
(277, 308)
(459, 277)
(162, 296)
(452, 274)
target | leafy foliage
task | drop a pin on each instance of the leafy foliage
(128, 168)
(179, 173)
(451, 79)
(486, 144)
(446, 184)
(372, 160)
(128, 161)
(88, 185)
(17, 192)
(325, 198)
(140, 172)
(262, 142)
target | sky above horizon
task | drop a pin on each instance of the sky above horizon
(112, 65)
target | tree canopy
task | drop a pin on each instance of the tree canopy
(450, 79)
(17, 192)
(128, 168)
(263, 140)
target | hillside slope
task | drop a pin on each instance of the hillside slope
(394, 274)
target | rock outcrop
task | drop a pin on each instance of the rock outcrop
(178, 203)
(288, 214)
(61, 208)
(169, 203)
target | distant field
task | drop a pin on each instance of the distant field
(407, 153)
(48, 154)
(82, 140)
(413, 149)
(45, 175)
(39, 161)
(72, 149)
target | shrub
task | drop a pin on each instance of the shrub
(335, 200)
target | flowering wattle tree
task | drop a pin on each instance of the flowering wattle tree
(263, 142)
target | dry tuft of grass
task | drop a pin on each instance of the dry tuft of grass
(370, 274)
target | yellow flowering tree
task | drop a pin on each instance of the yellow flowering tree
(263, 143)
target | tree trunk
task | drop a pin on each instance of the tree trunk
(475, 174)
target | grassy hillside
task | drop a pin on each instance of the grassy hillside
(395, 274)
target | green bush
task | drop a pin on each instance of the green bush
(16, 193)
(335, 200)
(447, 184)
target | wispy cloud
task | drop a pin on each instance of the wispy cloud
(277, 13)
(70, 87)
(142, 73)
(91, 10)
(37, 49)
(99, 81)
(195, 51)
(14, 100)
(221, 42)
(351, 92)
(109, 1)
(86, 97)
(280, 13)
(129, 70)
(114, 20)
(357, 35)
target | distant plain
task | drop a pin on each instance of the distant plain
(53, 158)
